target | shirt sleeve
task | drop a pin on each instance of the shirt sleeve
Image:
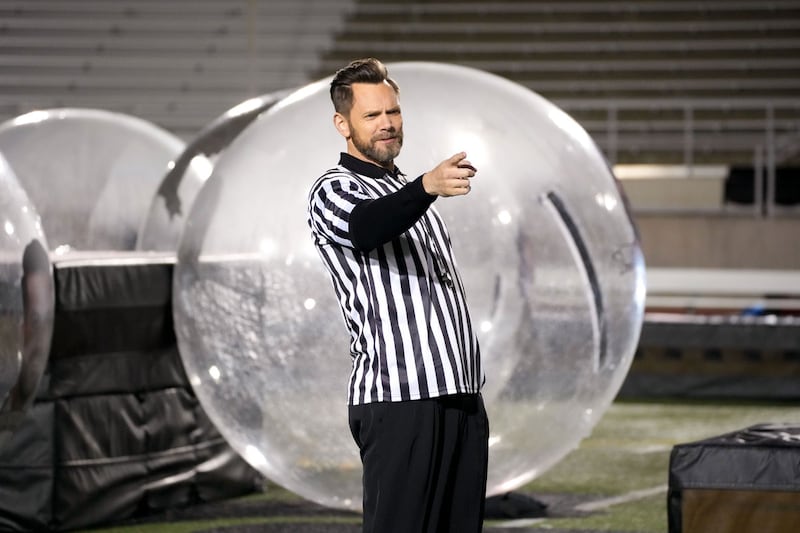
(331, 203)
(342, 211)
(377, 221)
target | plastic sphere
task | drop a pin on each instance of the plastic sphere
(166, 215)
(26, 301)
(546, 247)
(91, 173)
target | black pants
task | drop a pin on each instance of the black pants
(424, 464)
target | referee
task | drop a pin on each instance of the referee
(414, 403)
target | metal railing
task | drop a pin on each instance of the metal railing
(770, 133)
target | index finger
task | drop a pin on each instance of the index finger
(455, 158)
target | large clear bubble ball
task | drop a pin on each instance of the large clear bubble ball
(545, 244)
(166, 215)
(91, 173)
(26, 302)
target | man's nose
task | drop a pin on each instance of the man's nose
(385, 122)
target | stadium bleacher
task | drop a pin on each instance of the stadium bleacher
(654, 81)
(177, 64)
(685, 87)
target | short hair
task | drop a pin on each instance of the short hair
(366, 70)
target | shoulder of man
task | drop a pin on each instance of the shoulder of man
(339, 178)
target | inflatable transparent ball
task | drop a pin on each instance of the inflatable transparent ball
(166, 216)
(26, 302)
(545, 244)
(92, 174)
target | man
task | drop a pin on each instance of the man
(415, 409)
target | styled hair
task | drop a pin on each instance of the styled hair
(367, 70)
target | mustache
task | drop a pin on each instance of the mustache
(391, 134)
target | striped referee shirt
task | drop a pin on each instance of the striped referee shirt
(389, 257)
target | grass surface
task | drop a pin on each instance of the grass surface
(628, 451)
(615, 481)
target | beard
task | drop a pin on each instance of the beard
(382, 154)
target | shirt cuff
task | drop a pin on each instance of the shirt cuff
(418, 191)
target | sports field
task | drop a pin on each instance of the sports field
(615, 481)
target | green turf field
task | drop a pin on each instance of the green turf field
(616, 481)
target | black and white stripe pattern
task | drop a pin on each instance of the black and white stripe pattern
(403, 303)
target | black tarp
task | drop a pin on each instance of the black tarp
(747, 481)
(116, 430)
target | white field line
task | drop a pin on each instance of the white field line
(590, 506)
(622, 498)
(519, 522)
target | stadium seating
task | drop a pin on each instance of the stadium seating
(178, 64)
(681, 81)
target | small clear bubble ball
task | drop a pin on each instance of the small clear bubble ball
(26, 302)
(91, 173)
(166, 215)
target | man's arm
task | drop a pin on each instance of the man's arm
(376, 222)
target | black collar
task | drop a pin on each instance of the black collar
(366, 169)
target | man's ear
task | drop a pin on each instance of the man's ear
(341, 124)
